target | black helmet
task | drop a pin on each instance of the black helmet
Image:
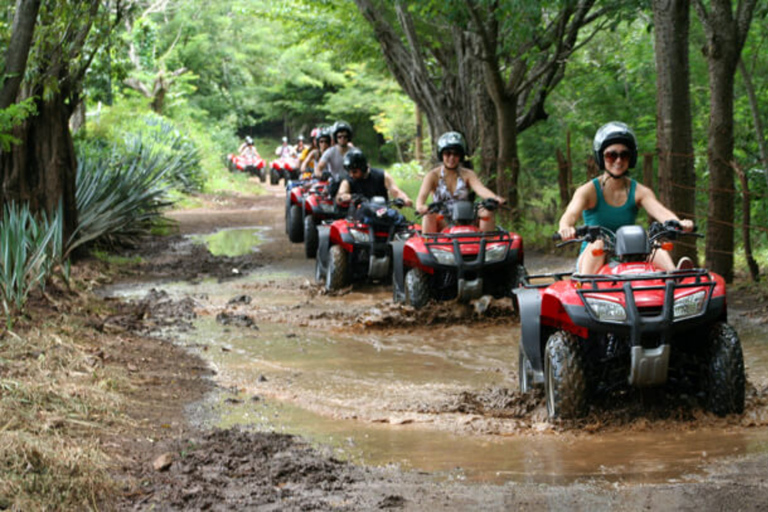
(355, 159)
(614, 132)
(451, 140)
(249, 140)
(324, 133)
(341, 126)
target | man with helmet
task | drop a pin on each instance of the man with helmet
(366, 181)
(284, 150)
(452, 182)
(333, 158)
(247, 148)
(613, 199)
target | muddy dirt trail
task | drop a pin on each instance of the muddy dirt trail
(348, 401)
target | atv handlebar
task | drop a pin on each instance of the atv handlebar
(489, 204)
(670, 230)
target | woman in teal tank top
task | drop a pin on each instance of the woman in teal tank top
(613, 199)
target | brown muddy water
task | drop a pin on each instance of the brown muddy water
(304, 363)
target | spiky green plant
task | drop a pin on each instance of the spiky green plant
(120, 194)
(31, 247)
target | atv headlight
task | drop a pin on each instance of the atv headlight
(496, 253)
(360, 236)
(689, 305)
(444, 257)
(607, 311)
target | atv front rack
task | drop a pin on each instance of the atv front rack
(457, 240)
(650, 331)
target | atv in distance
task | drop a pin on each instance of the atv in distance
(357, 248)
(630, 324)
(460, 262)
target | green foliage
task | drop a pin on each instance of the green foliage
(121, 191)
(11, 117)
(30, 248)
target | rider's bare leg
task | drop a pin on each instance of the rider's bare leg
(487, 220)
(589, 262)
(663, 260)
(430, 223)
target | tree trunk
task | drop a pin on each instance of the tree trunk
(489, 135)
(509, 164)
(18, 50)
(720, 215)
(677, 176)
(726, 32)
(42, 169)
(754, 269)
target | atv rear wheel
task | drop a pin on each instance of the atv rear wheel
(336, 273)
(295, 228)
(564, 377)
(262, 174)
(416, 288)
(524, 371)
(310, 237)
(724, 381)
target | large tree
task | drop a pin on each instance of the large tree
(485, 68)
(726, 31)
(523, 54)
(674, 137)
(437, 68)
(48, 69)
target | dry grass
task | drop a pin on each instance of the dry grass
(56, 397)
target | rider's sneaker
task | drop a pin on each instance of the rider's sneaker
(685, 263)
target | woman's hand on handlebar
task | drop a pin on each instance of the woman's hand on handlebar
(567, 233)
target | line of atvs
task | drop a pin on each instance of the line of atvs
(282, 168)
(627, 328)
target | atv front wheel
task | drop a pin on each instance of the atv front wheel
(310, 237)
(262, 175)
(274, 177)
(336, 274)
(564, 378)
(416, 288)
(320, 269)
(724, 381)
(295, 228)
(524, 371)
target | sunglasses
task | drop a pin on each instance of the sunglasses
(450, 152)
(612, 156)
(355, 171)
(342, 136)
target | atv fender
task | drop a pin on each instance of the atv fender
(530, 329)
(398, 272)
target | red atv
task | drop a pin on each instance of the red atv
(357, 248)
(317, 207)
(286, 168)
(461, 262)
(249, 163)
(629, 325)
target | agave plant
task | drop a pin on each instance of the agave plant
(30, 248)
(120, 194)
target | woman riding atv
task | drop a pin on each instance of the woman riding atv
(452, 182)
(613, 199)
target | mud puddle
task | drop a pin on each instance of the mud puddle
(434, 391)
